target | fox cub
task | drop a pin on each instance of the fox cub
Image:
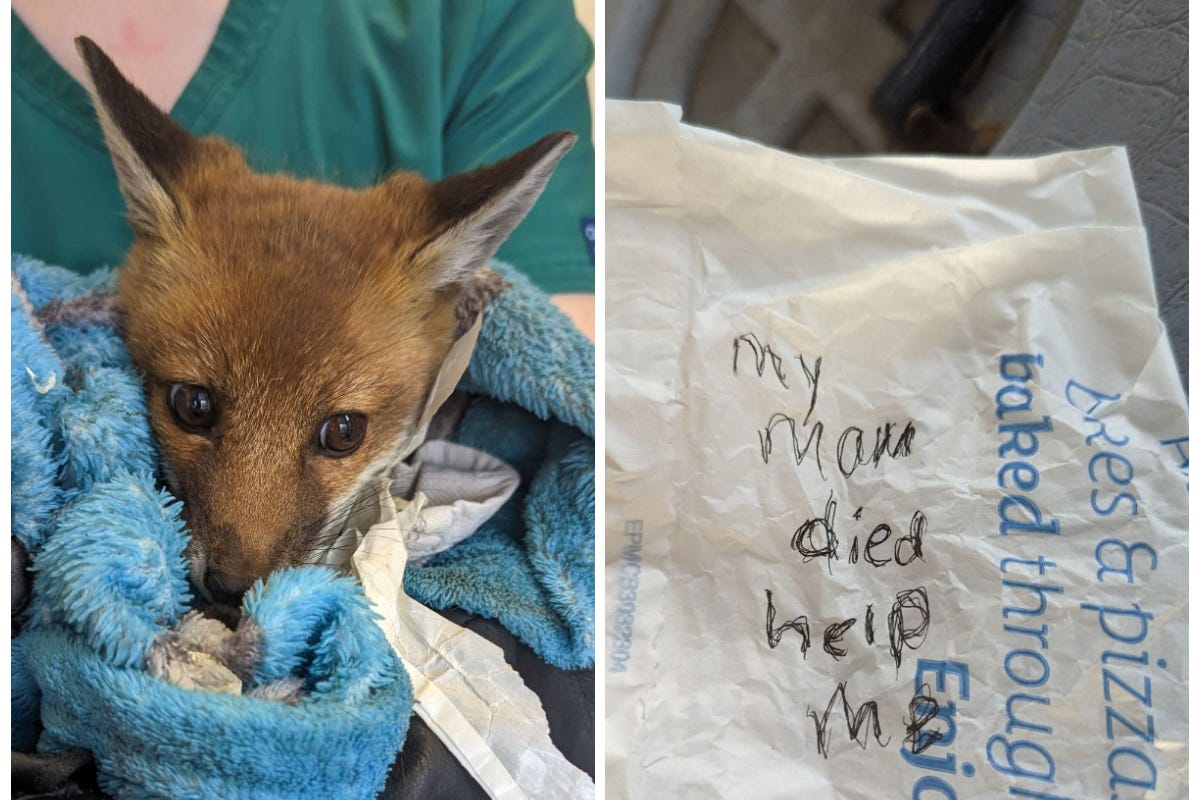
(288, 331)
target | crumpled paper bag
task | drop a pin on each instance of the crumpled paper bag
(897, 477)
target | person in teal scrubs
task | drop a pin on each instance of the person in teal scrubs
(343, 92)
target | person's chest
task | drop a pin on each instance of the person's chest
(342, 93)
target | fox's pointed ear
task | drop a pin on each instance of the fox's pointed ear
(149, 149)
(477, 210)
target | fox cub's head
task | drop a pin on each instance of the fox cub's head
(289, 332)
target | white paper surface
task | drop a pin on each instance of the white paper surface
(892, 292)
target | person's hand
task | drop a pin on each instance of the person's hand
(581, 308)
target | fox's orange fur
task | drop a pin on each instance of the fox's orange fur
(289, 301)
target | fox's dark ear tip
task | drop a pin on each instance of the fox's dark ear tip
(84, 45)
(563, 138)
(557, 143)
(89, 51)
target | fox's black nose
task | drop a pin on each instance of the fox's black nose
(226, 588)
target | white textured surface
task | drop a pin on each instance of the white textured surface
(911, 279)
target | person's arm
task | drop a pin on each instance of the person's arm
(525, 77)
(581, 308)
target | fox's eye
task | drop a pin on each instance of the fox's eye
(192, 406)
(341, 434)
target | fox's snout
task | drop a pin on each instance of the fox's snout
(289, 332)
(226, 588)
(245, 521)
(242, 531)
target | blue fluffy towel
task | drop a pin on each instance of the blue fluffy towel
(109, 572)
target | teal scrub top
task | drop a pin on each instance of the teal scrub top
(343, 92)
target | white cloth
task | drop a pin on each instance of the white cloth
(463, 488)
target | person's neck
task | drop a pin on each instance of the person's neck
(158, 45)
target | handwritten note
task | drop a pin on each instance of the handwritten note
(873, 543)
(897, 483)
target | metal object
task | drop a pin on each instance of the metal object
(914, 99)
